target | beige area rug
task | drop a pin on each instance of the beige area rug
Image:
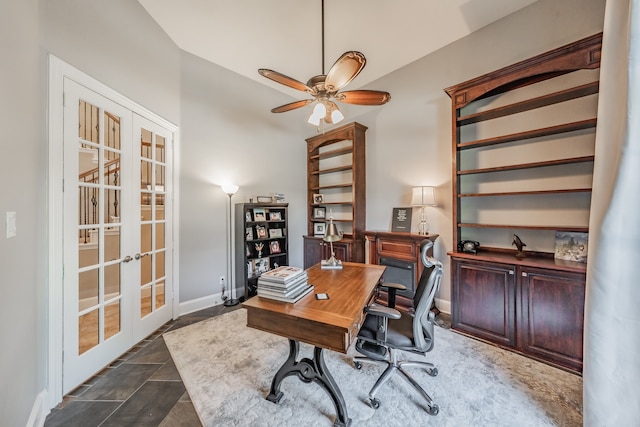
(227, 369)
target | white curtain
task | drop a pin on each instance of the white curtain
(612, 313)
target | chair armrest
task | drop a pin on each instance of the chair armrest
(391, 285)
(382, 311)
(392, 288)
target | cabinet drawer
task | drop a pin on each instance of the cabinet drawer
(395, 249)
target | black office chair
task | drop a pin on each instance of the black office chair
(386, 330)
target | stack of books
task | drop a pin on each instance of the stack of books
(284, 283)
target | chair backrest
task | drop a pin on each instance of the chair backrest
(428, 286)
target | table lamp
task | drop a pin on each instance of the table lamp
(423, 196)
(331, 235)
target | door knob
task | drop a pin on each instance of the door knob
(127, 259)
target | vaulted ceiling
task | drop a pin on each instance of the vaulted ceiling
(286, 35)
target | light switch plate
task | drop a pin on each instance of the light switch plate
(11, 224)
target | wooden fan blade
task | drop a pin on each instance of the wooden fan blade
(291, 106)
(346, 68)
(364, 97)
(284, 80)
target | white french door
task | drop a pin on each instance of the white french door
(116, 231)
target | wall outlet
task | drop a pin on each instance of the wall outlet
(222, 280)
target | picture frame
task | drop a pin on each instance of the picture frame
(318, 198)
(275, 216)
(319, 228)
(261, 231)
(274, 247)
(319, 213)
(251, 269)
(401, 220)
(261, 265)
(247, 216)
(248, 233)
(259, 214)
(275, 232)
(570, 246)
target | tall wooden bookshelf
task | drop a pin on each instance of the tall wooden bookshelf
(336, 170)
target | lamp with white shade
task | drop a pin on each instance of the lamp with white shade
(229, 301)
(423, 196)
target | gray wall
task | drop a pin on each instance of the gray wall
(21, 191)
(227, 133)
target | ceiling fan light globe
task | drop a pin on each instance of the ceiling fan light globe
(336, 116)
(314, 119)
(319, 110)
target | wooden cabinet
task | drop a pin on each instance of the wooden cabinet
(551, 315)
(400, 253)
(261, 242)
(536, 311)
(315, 250)
(336, 186)
(523, 150)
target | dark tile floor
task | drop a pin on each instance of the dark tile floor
(140, 388)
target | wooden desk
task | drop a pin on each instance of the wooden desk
(326, 324)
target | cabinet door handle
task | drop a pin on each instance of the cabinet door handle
(524, 274)
(511, 272)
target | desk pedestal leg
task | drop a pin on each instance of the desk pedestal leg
(310, 371)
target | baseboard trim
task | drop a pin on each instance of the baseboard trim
(38, 412)
(197, 304)
(443, 305)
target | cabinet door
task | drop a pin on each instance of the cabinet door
(551, 323)
(484, 300)
(341, 249)
(313, 251)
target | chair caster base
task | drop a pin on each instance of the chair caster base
(433, 409)
(374, 402)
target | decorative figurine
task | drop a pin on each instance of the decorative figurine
(259, 247)
(519, 244)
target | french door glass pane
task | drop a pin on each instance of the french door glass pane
(88, 331)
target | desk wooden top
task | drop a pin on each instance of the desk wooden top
(332, 323)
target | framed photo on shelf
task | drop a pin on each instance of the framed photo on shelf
(274, 247)
(262, 265)
(275, 216)
(259, 215)
(319, 228)
(261, 231)
(318, 198)
(247, 216)
(319, 213)
(275, 232)
(571, 246)
(248, 233)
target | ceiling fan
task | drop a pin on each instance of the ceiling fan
(325, 87)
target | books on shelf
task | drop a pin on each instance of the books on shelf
(284, 283)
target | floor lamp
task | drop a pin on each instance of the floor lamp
(230, 301)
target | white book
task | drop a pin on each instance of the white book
(283, 274)
(306, 291)
(267, 290)
(287, 285)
